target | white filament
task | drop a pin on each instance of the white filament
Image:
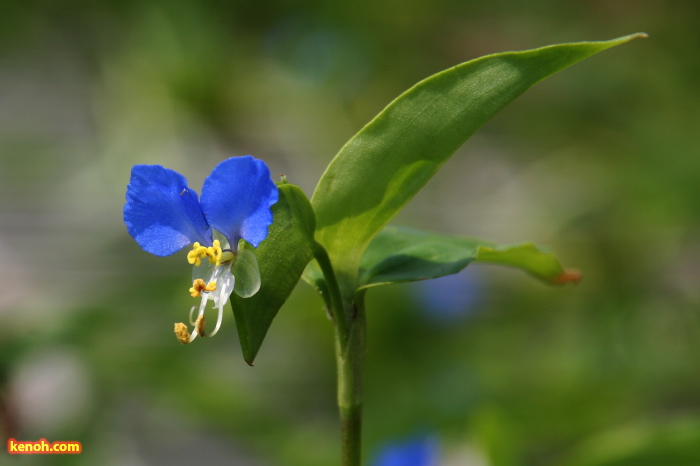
(224, 280)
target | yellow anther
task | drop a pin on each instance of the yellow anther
(215, 254)
(199, 285)
(197, 253)
(182, 333)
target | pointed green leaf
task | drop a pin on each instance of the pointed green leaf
(384, 165)
(404, 254)
(541, 263)
(281, 259)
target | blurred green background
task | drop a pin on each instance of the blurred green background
(599, 162)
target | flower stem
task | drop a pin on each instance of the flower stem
(349, 330)
(350, 364)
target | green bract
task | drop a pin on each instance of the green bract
(282, 258)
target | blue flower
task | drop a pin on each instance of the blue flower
(164, 215)
(450, 299)
(417, 451)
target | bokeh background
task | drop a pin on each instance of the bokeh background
(599, 162)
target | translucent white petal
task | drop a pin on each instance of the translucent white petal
(245, 268)
(224, 286)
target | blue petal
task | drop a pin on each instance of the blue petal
(161, 212)
(236, 199)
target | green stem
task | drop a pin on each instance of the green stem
(350, 363)
(349, 325)
(335, 304)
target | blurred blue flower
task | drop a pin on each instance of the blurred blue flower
(164, 215)
(450, 298)
(417, 451)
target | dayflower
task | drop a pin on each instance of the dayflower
(164, 215)
(417, 451)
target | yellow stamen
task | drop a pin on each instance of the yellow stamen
(197, 253)
(199, 325)
(218, 255)
(199, 285)
(215, 254)
(225, 256)
(182, 333)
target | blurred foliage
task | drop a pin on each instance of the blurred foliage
(599, 163)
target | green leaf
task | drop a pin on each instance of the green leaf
(281, 258)
(403, 254)
(384, 165)
(541, 263)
